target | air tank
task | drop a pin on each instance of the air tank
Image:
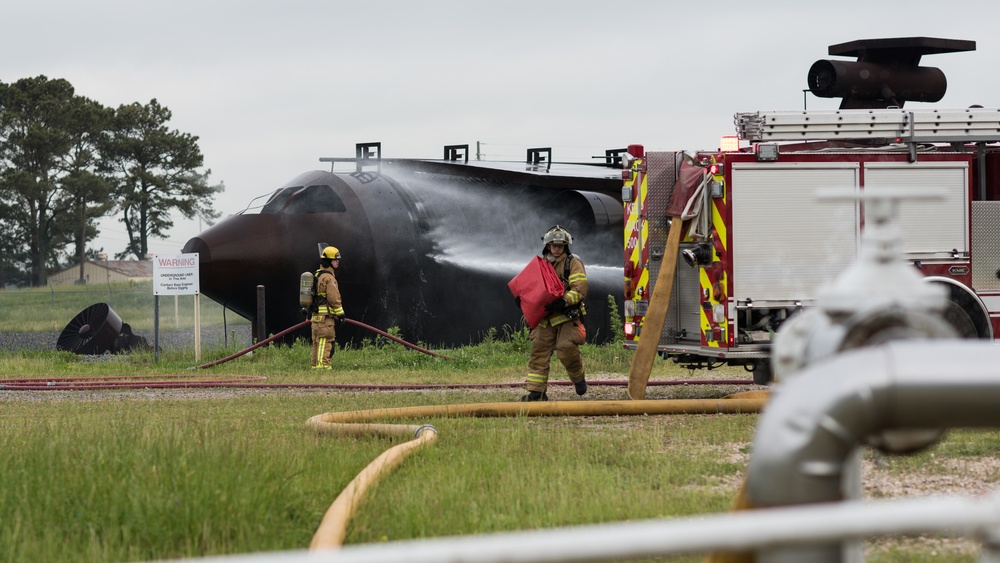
(428, 246)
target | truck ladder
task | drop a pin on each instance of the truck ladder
(972, 125)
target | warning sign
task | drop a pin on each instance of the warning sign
(175, 274)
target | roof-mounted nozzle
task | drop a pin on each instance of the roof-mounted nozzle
(886, 73)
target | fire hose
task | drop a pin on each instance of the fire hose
(395, 339)
(306, 322)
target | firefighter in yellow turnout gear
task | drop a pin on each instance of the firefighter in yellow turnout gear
(562, 329)
(328, 309)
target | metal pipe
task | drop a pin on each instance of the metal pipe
(260, 319)
(879, 395)
(731, 532)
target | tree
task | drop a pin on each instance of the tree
(44, 128)
(88, 196)
(156, 172)
(85, 192)
(14, 259)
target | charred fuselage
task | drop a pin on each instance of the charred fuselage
(428, 246)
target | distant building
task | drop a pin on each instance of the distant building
(105, 271)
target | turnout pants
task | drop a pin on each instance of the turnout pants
(564, 339)
(323, 337)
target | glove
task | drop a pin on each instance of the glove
(338, 319)
(556, 306)
(517, 301)
(305, 312)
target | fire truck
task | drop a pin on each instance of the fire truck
(778, 210)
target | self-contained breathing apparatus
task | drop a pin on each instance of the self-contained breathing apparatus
(308, 298)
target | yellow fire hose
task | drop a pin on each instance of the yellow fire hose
(333, 528)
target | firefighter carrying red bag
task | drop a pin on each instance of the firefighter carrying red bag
(550, 291)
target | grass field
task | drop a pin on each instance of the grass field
(155, 473)
(50, 309)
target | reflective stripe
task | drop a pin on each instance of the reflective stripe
(536, 378)
(577, 277)
(557, 320)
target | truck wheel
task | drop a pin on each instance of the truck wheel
(762, 374)
(966, 313)
(960, 320)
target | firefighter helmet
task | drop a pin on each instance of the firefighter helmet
(557, 235)
(331, 253)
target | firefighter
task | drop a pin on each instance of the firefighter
(562, 328)
(327, 308)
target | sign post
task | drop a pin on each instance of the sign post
(176, 274)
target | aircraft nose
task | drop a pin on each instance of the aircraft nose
(197, 244)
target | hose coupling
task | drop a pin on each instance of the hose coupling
(416, 433)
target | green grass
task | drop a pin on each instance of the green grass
(50, 309)
(95, 476)
(113, 480)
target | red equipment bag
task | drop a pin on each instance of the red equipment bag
(537, 285)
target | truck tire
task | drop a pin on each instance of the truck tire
(966, 313)
(762, 374)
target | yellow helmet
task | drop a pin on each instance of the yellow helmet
(557, 235)
(331, 253)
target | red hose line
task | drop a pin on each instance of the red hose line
(255, 346)
(241, 382)
(133, 382)
(391, 337)
(306, 322)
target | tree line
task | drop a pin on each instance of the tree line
(66, 161)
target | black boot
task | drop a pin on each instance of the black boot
(581, 387)
(534, 396)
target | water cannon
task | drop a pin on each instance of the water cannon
(886, 73)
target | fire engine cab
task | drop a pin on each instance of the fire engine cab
(778, 210)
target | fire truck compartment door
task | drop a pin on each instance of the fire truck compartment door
(786, 243)
(932, 228)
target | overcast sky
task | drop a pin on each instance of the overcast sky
(270, 87)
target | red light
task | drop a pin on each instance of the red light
(629, 269)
